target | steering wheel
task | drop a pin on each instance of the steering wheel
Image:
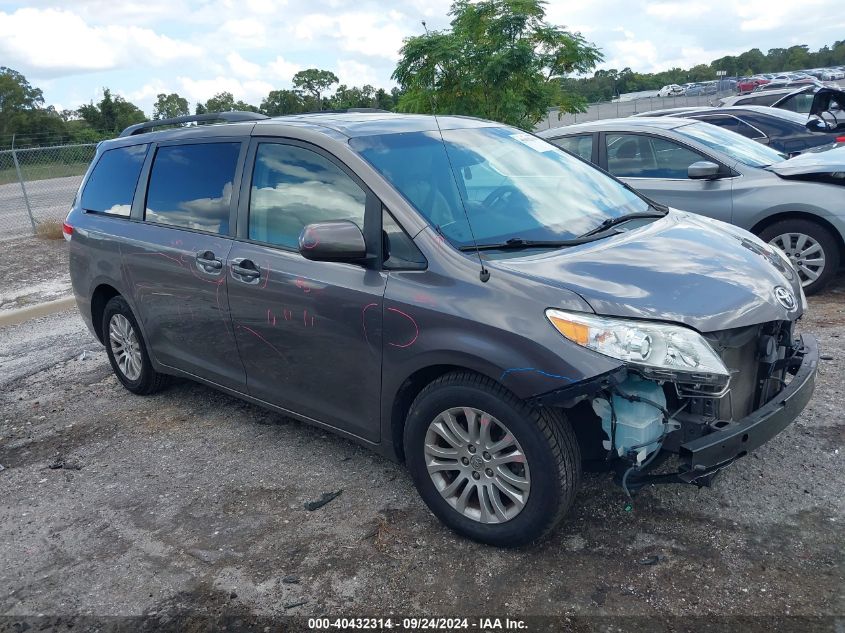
(501, 196)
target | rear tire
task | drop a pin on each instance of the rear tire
(515, 493)
(127, 350)
(812, 249)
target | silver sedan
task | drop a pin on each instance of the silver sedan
(795, 204)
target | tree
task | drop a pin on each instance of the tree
(500, 60)
(279, 102)
(17, 100)
(170, 106)
(221, 102)
(314, 81)
(111, 114)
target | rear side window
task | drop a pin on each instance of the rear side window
(579, 145)
(733, 124)
(111, 186)
(292, 187)
(191, 186)
(635, 156)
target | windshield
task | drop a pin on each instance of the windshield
(512, 184)
(736, 146)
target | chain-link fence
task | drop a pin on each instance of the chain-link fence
(616, 109)
(37, 184)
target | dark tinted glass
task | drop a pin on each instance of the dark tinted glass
(112, 183)
(579, 145)
(191, 186)
(636, 156)
(399, 249)
(292, 187)
(733, 124)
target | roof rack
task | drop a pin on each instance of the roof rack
(343, 111)
(228, 117)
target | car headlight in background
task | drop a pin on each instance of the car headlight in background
(657, 350)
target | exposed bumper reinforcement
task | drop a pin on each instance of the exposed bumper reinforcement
(703, 457)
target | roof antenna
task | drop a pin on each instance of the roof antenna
(483, 274)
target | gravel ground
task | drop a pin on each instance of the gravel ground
(33, 270)
(192, 502)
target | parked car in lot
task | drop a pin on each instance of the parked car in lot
(747, 84)
(451, 292)
(797, 205)
(781, 130)
(672, 90)
(763, 98)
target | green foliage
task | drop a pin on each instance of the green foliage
(170, 106)
(500, 60)
(314, 81)
(111, 114)
(280, 102)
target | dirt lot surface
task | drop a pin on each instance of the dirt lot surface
(193, 502)
(32, 270)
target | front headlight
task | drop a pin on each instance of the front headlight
(657, 350)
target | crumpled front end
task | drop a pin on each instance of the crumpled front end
(644, 419)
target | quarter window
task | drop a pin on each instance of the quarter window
(636, 156)
(293, 187)
(399, 249)
(111, 186)
(191, 186)
(579, 145)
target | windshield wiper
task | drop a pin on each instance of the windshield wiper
(626, 217)
(516, 243)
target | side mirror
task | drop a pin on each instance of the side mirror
(703, 170)
(335, 241)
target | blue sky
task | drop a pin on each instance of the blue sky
(200, 47)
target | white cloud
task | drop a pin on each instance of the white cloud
(56, 42)
(354, 73)
(251, 91)
(366, 32)
(688, 9)
(242, 67)
(280, 68)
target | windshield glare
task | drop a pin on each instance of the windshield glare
(512, 184)
(735, 145)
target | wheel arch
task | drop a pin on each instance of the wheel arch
(409, 389)
(801, 215)
(102, 294)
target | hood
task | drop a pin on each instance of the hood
(682, 268)
(814, 161)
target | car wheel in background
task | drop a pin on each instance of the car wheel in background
(812, 249)
(127, 351)
(487, 465)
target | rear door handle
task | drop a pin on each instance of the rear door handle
(245, 270)
(208, 262)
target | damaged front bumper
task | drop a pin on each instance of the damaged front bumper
(701, 458)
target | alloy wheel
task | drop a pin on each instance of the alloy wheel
(125, 346)
(477, 465)
(805, 253)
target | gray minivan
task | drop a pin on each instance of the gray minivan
(451, 292)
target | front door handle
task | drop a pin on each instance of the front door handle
(245, 270)
(208, 262)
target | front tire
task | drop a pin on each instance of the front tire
(127, 350)
(488, 465)
(812, 249)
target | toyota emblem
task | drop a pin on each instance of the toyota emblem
(785, 297)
